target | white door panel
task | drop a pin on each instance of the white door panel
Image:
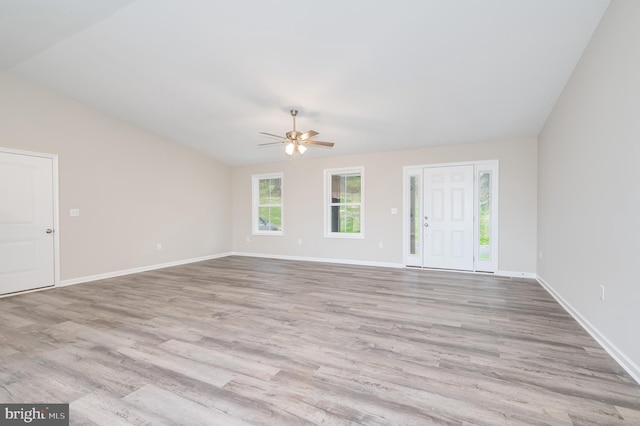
(26, 213)
(448, 212)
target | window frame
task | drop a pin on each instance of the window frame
(255, 204)
(328, 174)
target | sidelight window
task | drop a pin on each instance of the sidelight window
(484, 215)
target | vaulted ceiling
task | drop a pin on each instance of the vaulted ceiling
(368, 75)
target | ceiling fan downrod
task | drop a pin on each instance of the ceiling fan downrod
(294, 113)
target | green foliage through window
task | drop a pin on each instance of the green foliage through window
(269, 203)
(484, 198)
(270, 191)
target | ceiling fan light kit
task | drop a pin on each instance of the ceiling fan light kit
(296, 141)
(292, 148)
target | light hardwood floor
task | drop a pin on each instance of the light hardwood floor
(243, 340)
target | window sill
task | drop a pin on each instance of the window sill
(345, 236)
(269, 233)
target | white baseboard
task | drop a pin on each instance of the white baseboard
(625, 362)
(516, 274)
(114, 274)
(321, 259)
(509, 274)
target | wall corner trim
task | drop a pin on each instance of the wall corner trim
(115, 274)
(624, 361)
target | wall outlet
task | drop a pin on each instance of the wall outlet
(159, 246)
(601, 292)
(74, 212)
(248, 239)
(380, 244)
(394, 210)
(299, 241)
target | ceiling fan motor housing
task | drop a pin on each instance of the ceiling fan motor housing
(293, 135)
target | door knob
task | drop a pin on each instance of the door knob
(49, 231)
(426, 225)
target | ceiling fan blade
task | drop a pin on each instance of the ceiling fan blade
(319, 143)
(272, 135)
(309, 134)
(271, 143)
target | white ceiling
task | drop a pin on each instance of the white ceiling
(368, 75)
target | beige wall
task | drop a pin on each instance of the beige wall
(133, 189)
(589, 191)
(303, 199)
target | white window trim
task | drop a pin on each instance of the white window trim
(327, 203)
(255, 196)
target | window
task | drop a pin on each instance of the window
(344, 203)
(487, 216)
(415, 219)
(484, 206)
(267, 204)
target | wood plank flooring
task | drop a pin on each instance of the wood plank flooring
(243, 340)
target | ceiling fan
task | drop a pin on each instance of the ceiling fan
(296, 141)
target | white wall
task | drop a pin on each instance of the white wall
(589, 191)
(133, 188)
(303, 199)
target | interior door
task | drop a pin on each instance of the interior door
(448, 217)
(26, 222)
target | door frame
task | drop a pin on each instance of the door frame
(482, 166)
(56, 209)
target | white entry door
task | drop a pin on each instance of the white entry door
(26, 222)
(448, 217)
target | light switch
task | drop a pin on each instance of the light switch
(74, 212)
